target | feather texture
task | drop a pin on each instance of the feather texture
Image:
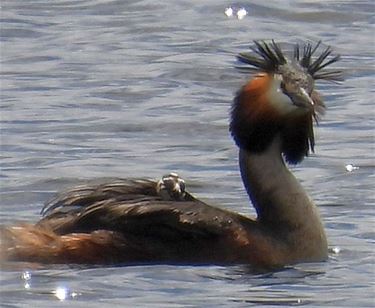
(268, 57)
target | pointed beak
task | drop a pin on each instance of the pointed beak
(306, 97)
(302, 99)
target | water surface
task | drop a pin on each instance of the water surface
(104, 88)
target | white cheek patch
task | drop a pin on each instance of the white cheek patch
(278, 99)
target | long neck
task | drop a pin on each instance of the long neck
(278, 197)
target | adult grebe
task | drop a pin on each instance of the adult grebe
(145, 221)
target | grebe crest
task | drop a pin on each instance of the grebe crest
(281, 98)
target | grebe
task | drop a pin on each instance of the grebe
(145, 221)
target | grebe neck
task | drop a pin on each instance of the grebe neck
(278, 197)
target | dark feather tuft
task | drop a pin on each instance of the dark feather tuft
(315, 66)
(268, 57)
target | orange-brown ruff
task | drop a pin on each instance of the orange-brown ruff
(145, 221)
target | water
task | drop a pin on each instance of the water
(102, 88)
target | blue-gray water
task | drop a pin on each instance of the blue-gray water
(105, 88)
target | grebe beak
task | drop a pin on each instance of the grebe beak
(298, 94)
(302, 99)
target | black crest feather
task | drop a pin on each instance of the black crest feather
(268, 57)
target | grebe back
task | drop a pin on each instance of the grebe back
(145, 221)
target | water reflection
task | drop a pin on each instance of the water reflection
(63, 293)
(351, 168)
(239, 13)
(26, 277)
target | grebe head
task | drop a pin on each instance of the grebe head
(281, 99)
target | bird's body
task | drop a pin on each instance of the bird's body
(145, 221)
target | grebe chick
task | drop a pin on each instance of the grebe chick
(144, 221)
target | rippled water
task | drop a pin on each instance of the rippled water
(139, 88)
